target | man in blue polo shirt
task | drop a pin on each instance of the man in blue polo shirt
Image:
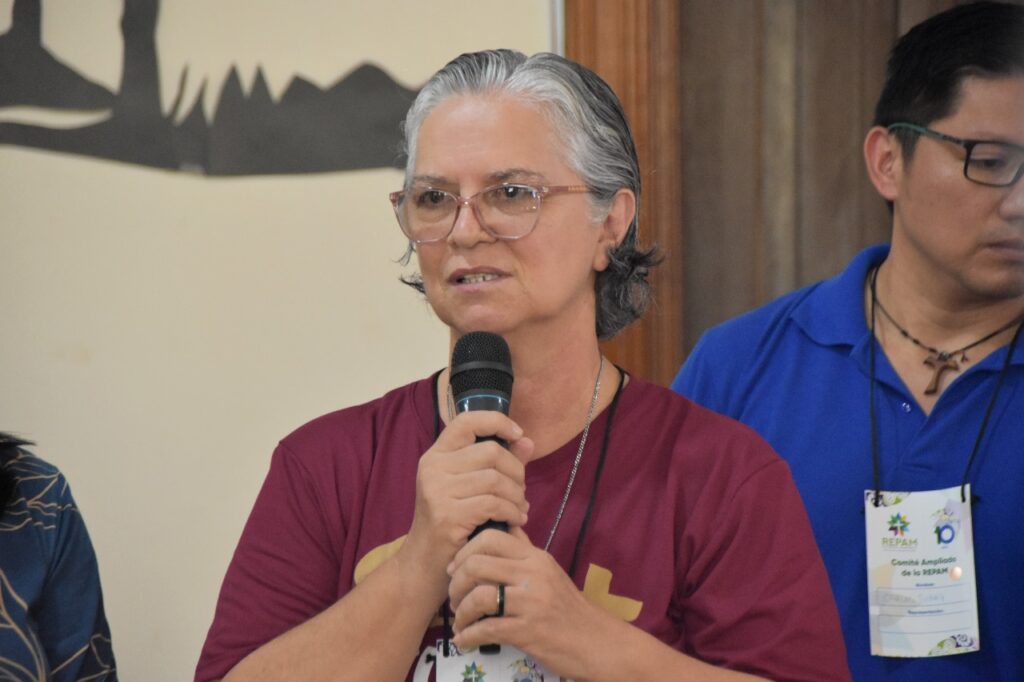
(896, 389)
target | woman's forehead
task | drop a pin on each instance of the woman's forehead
(483, 110)
(496, 135)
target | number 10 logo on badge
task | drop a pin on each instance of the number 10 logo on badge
(944, 534)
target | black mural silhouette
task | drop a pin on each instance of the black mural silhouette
(352, 125)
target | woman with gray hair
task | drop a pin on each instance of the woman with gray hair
(646, 538)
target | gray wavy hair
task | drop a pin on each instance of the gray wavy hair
(588, 116)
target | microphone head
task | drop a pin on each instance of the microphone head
(481, 362)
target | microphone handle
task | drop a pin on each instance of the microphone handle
(491, 523)
(490, 648)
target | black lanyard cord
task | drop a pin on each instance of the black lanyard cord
(871, 402)
(988, 410)
(597, 474)
(875, 465)
(445, 607)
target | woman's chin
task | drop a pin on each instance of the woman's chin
(481, 325)
(478, 319)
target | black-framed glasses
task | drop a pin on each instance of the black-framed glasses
(506, 211)
(987, 162)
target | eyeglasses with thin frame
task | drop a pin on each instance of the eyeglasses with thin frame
(505, 211)
(987, 162)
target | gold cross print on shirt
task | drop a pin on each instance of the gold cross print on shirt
(596, 586)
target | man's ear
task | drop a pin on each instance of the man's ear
(614, 227)
(883, 156)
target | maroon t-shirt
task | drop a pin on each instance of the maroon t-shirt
(695, 521)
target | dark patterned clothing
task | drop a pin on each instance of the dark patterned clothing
(52, 625)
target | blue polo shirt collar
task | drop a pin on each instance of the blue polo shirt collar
(833, 313)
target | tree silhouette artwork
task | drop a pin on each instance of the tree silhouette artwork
(354, 124)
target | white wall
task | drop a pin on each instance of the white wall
(162, 331)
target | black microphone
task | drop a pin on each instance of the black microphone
(481, 379)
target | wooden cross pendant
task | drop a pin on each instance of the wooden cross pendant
(939, 364)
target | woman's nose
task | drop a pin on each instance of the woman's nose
(468, 228)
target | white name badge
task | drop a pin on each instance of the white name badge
(922, 591)
(509, 665)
